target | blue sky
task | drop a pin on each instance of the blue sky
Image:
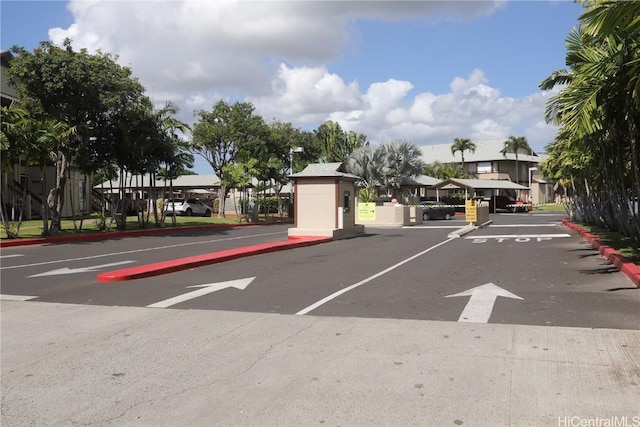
(424, 72)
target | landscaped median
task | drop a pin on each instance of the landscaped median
(628, 268)
(171, 266)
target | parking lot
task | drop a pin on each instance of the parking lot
(402, 326)
(403, 273)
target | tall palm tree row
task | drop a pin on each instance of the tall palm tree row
(595, 152)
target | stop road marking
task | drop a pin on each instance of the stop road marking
(518, 238)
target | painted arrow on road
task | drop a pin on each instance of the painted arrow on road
(204, 290)
(480, 305)
(67, 270)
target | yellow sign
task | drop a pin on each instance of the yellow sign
(470, 211)
(367, 211)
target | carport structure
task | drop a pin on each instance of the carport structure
(471, 186)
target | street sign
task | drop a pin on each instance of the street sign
(470, 211)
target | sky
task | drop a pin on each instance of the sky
(425, 72)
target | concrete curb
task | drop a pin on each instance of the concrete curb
(174, 265)
(629, 269)
(467, 229)
(7, 243)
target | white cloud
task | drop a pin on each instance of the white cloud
(275, 55)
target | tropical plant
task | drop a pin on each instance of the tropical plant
(367, 163)
(401, 160)
(462, 145)
(596, 150)
(367, 195)
(177, 159)
(515, 145)
(443, 170)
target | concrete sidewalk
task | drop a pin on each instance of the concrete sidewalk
(118, 366)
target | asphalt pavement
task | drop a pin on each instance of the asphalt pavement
(71, 364)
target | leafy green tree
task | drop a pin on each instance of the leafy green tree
(462, 145)
(337, 145)
(275, 157)
(238, 177)
(82, 90)
(220, 135)
(516, 144)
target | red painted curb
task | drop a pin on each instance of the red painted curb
(171, 266)
(626, 267)
(7, 243)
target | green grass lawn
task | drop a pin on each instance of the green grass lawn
(550, 208)
(33, 228)
(624, 245)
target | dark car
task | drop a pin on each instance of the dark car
(507, 203)
(436, 210)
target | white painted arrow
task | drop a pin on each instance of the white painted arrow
(480, 305)
(67, 270)
(204, 290)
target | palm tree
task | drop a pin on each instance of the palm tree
(515, 144)
(462, 145)
(443, 170)
(177, 158)
(401, 160)
(597, 148)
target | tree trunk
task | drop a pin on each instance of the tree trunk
(58, 192)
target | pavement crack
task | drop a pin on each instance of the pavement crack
(265, 353)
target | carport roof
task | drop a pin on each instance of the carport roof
(479, 184)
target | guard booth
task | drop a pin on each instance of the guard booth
(324, 202)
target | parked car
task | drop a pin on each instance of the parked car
(436, 210)
(507, 203)
(187, 207)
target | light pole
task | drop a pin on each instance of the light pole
(291, 151)
(530, 192)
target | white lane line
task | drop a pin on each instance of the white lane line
(6, 297)
(368, 279)
(137, 250)
(515, 236)
(432, 226)
(551, 224)
(10, 256)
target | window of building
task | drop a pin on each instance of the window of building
(484, 167)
